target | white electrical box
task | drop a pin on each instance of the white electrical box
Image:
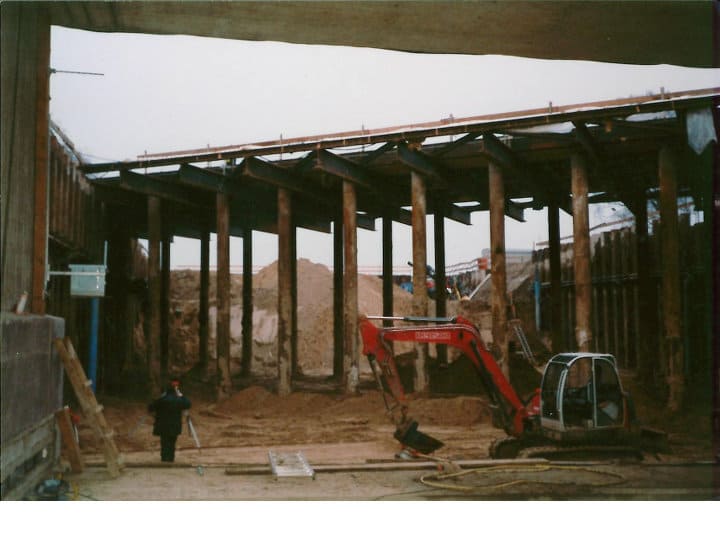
(87, 280)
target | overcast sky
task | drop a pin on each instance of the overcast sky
(164, 93)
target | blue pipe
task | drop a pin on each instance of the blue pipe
(537, 289)
(93, 348)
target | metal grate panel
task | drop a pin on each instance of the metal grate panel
(290, 465)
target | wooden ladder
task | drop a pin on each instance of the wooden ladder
(524, 345)
(88, 403)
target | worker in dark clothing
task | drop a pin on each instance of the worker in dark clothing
(168, 409)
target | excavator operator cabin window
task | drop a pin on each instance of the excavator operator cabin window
(609, 396)
(578, 394)
(550, 408)
(580, 373)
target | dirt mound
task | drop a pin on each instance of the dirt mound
(314, 315)
(255, 399)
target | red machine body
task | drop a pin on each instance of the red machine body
(514, 414)
(580, 401)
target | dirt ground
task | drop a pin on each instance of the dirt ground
(348, 439)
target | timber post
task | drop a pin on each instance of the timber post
(222, 340)
(247, 301)
(351, 365)
(440, 276)
(387, 269)
(284, 216)
(581, 254)
(646, 325)
(154, 289)
(420, 296)
(338, 302)
(293, 298)
(555, 276)
(671, 302)
(165, 296)
(499, 299)
(42, 164)
(203, 313)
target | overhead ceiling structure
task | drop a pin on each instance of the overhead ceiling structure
(620, 137)
(636, 32)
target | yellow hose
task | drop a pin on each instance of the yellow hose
(435, 480)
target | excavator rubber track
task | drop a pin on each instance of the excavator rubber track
(512, 447)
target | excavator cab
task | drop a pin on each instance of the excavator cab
(581, 393)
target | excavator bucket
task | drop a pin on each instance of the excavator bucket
(410, 436)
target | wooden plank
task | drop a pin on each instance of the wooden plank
(83, 213)
(64, 202)
(643, 291)
(385, 466)
(616, 272)
(624, 301)
(70, 444)
(606, 292)
(77, 209)
(54, 185)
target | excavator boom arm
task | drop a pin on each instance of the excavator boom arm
(459, 333)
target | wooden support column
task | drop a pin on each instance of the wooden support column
(647, 320)
(351, 366)
(387, 268)
(671, 303)
(499, 274)
(203, 321)
(293, 298)
(119, 342)
(555, 277)
(420, 297)
(154, 290)
(165, 301)
(24, 58)
(338, 305)
(222, 323)
(440, 278)
(581, 254)
(42, 164)
(247, 301)
(285, 328)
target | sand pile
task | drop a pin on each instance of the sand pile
(314, 315)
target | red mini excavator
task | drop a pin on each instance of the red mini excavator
(580, 403)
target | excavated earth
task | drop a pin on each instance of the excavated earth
(349, 441)
(331, 428)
